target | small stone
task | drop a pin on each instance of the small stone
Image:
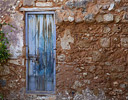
(105, 42)
(85, 74)
(124, 42)
(61, 57)
(92, 68)
(42, 4)
(125, 17)
(58, 17)
(87, 81)
(125, 30)
(106, 30)
(76, 85)
(28, 2)
(78, 69)
(65, 17)
(78, 20)
(115, 83)
(108, 18)
(70, 19)
(96, 56)
(123, 86)
(80, 3)
(16, 62)
(89, 18)
(111, 6)
(82, 68)
(69, 4)
(76, 4)
(83, 44)
(108, 74)
(116, 29)
(117, 19)
(118, 91)
(96, 77)
(99, 18)
(2, 83)
(108, 63)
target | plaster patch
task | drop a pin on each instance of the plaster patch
(66, 40)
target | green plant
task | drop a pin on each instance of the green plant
(1, 97)
(4, 52)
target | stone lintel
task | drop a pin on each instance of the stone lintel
(39, 9)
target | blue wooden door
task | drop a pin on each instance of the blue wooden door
(41, 39)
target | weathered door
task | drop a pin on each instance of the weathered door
(40, 51)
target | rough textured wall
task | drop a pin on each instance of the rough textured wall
(92, 49)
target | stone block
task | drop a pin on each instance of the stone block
(58, 17)
(99, 18)
(123, 86)
(106, 30)
(124, 42)
(83, 44)
(16, 62)
(105, 42)
(57, 1)
(76, 4)
(78, 19)
(28, 2)
(44, 4)
(117, 19)
(70, 19)
(80, 3)
(125, 17)
(116, 29)
(96, 56)
(89, 18)
(108, 18)
(4, 70)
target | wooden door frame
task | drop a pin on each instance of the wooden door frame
(26, 43)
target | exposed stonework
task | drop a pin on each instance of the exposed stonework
(28, 2)
(66, 40)
(108, 18)
(105, 42)
(92, 43)
(124, 42)
(44, 4)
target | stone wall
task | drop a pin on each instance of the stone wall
(92, 49)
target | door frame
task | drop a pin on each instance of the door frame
(26, 44)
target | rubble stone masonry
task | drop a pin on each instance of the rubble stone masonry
(91, 43)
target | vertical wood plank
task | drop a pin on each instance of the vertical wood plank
(32, 49)
(41, 54)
